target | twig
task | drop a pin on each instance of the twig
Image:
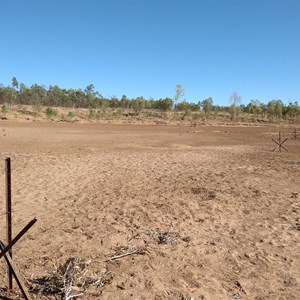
(137, 251)
(77, 295)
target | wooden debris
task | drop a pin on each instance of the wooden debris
(280, 143)
(70, 280)
(126, 252)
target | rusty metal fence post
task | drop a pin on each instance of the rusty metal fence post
(8, 217)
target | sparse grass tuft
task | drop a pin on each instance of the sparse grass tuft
(24, 111)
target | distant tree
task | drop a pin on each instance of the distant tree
(138, 104)
(114, 102)
(182, 106)
(24, 94)
(292, 111)
(179, 93)
(77, 98)
(8, 95)
(89, 90)
(15, 83)
(38, 94)
(124, 102)
(235, 100)
(103, 103)
(147, 104)
(91, 96)
(207, 106)
(56, 96)
(275, 109)
(152, 104)
(195, 106)
(1, 94)
(255, 107)
(165, 104)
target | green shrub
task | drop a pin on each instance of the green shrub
(118, 113)
(92, 114)
(5, 108)
(71, 115)
(102, 114)
(51, 112)
(187, 112)
(98, 114)
(165, 116)
(150, 114)
(24, 111)
(197, 116)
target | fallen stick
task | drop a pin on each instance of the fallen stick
(137, 251)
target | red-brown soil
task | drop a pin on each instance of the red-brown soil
(214, 209)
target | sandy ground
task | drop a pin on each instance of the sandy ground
(213, 209)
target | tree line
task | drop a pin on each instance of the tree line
(54, 96)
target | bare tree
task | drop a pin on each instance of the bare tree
(179, 93)
(235, 100)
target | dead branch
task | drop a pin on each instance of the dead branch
(132, 252)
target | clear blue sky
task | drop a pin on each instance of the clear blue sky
(144, 48)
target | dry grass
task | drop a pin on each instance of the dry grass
(70, 280)
(167, 237)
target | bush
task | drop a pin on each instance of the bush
(165, 116)
(187, 113)
(5, 108)
(197, 116)
(92, 114)
(151, 114)
(118, 113)
(24, 111)
(51, 112)
(71, 115)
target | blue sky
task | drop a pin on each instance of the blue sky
(144, 48)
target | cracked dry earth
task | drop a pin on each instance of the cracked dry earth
(212, 210)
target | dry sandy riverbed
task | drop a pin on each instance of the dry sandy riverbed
(213, 210)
